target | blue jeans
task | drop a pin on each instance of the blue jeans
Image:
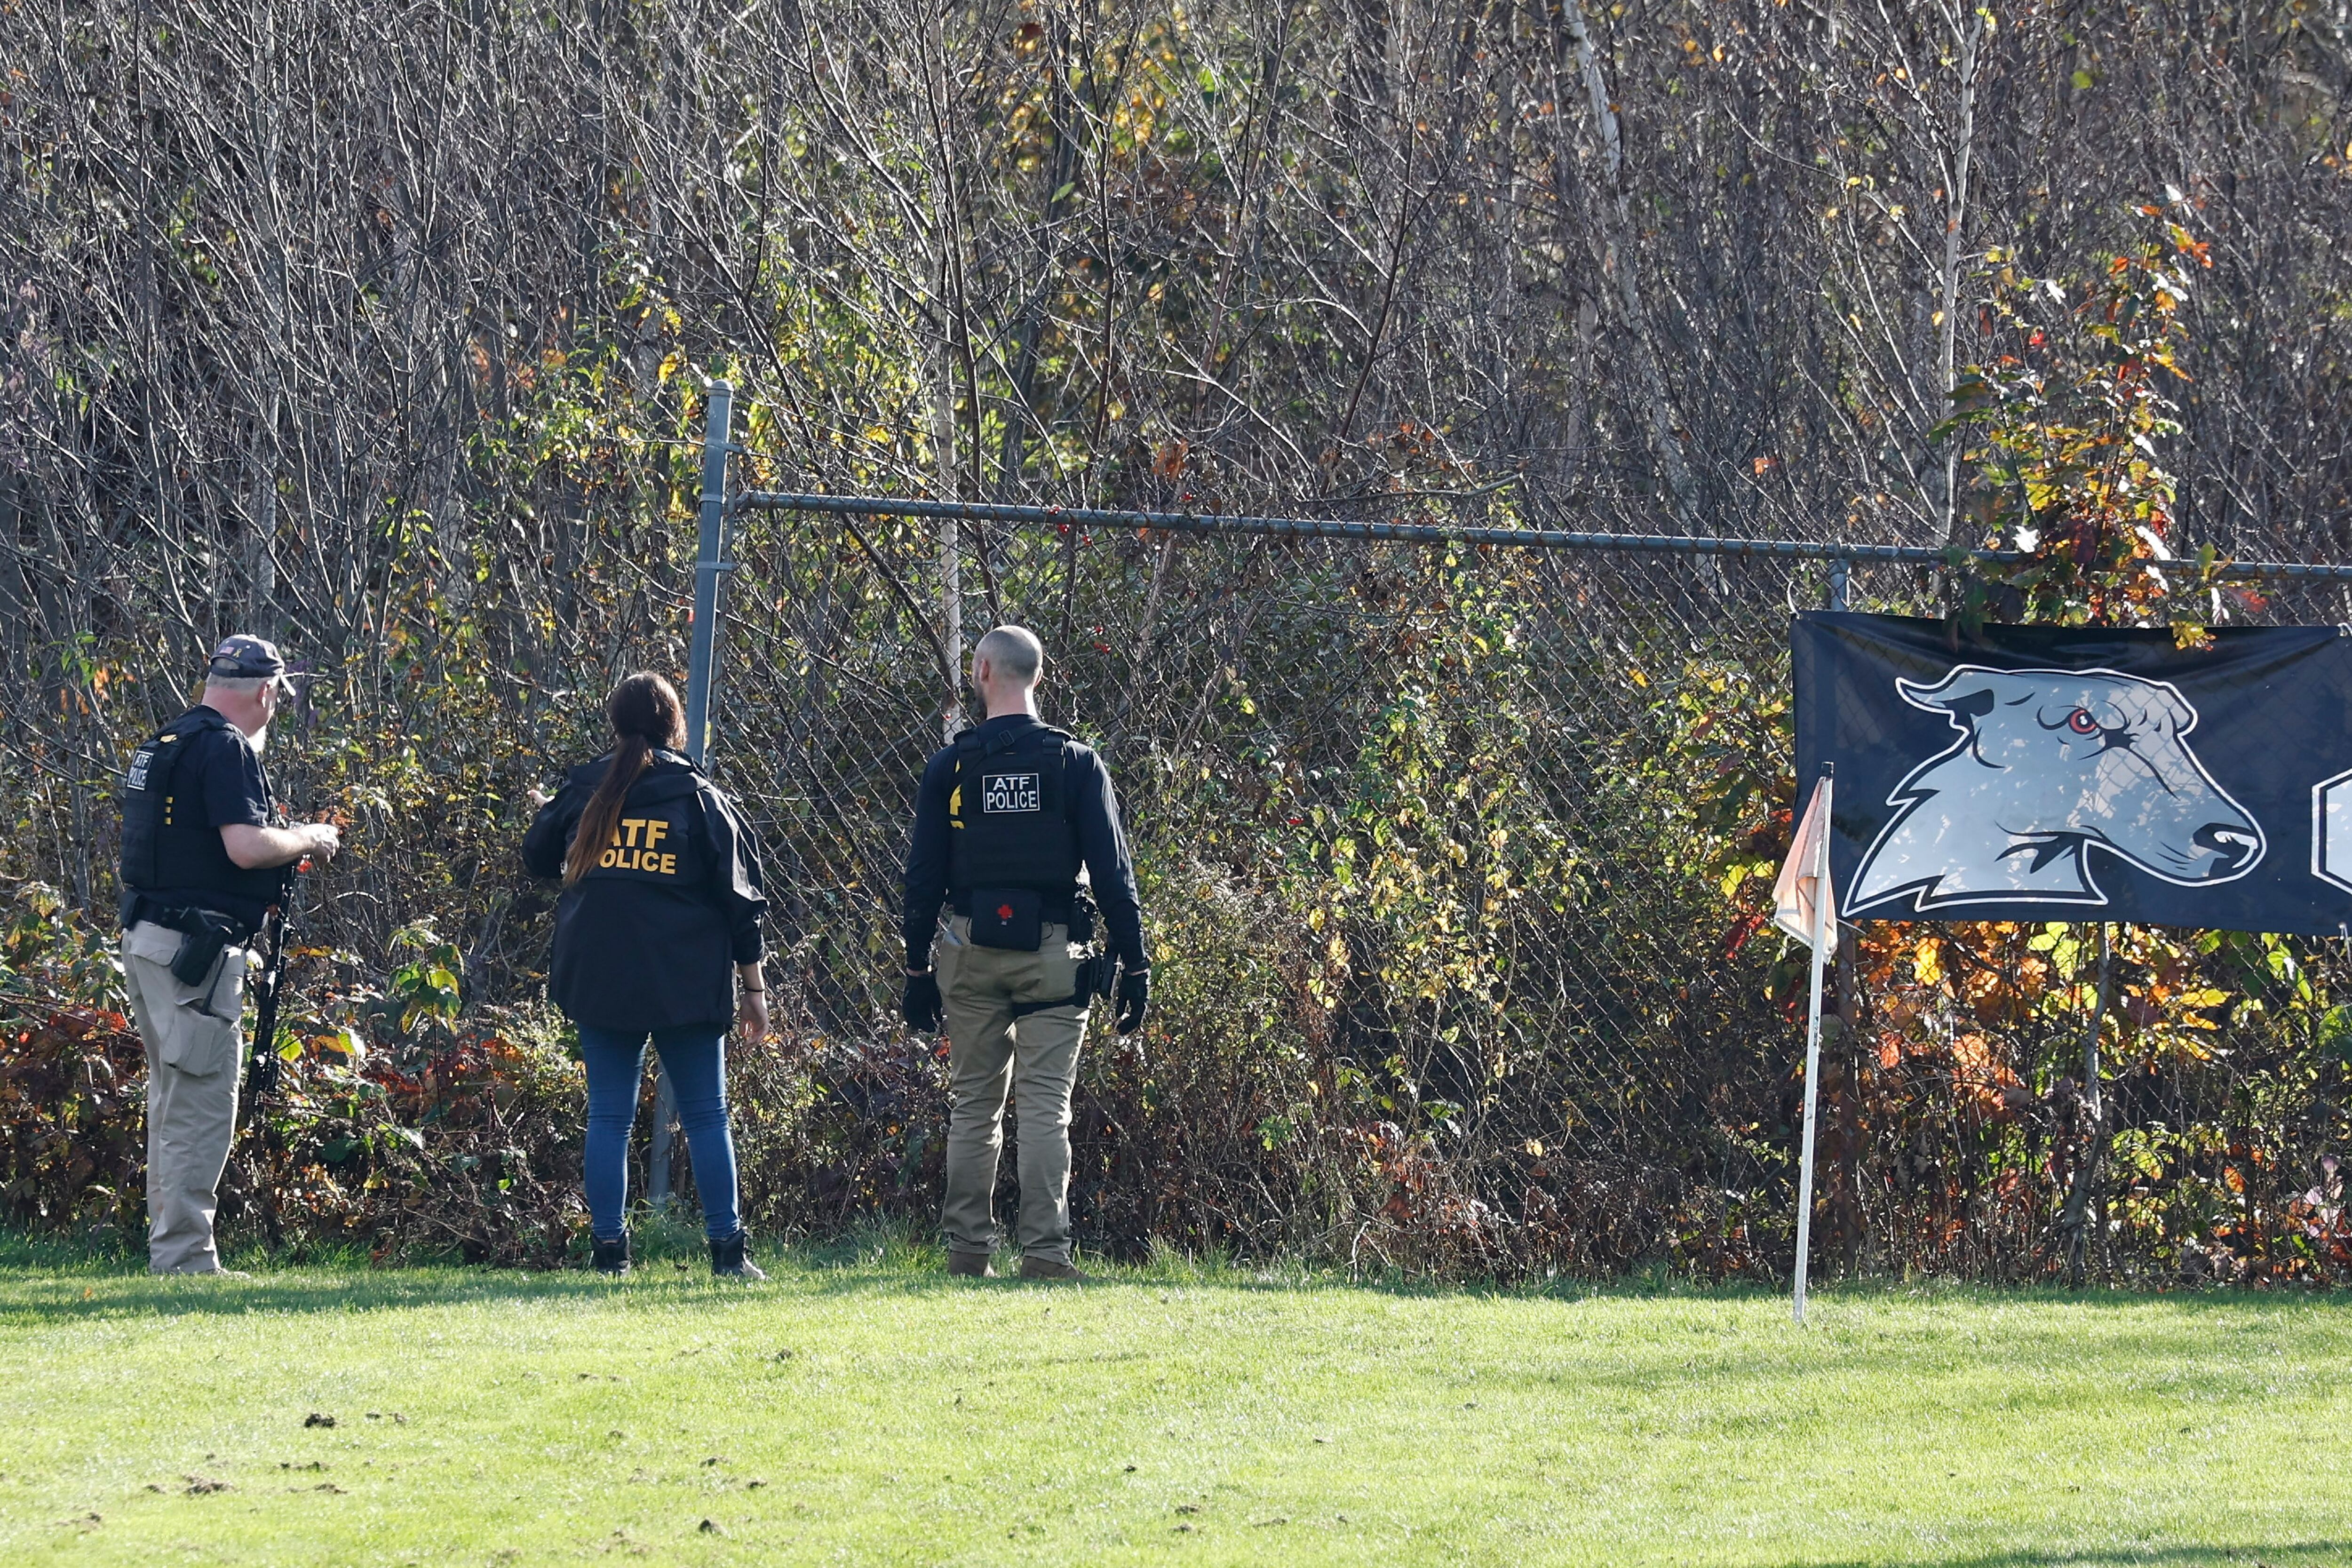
(696, 1058)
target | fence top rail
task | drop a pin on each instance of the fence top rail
(1437, 533)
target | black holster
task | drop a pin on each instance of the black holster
(200, 941)
(1095, 972)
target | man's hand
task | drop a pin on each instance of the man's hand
(325, 839)
(921, 1006)
(1134, 998)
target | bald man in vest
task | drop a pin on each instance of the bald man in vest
(1017, 836)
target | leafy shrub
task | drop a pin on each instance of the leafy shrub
(72, 1090)
(461, 1141)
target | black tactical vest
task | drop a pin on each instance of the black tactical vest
(167, 844)
(1008, 824)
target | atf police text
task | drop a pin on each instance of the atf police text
(637, 847)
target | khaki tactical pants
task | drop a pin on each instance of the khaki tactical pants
(194, 1036)
(1037, 1057)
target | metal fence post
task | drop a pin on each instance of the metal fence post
(718, 434)
(701, 666)
(665, 1140)
(1840, 569)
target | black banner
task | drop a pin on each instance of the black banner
(2075, 772)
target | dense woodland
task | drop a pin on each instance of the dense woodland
(385, 331)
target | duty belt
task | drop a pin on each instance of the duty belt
(1055, 907)
(186, 921)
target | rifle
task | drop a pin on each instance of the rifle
(261, 1077)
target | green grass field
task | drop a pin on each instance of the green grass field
(862, 1408)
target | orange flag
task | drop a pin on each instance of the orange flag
(1806, 876)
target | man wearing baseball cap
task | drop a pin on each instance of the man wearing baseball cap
(202, 864)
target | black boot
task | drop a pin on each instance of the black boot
(610, 1256)
(729, 1259)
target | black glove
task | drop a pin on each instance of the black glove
(921, 1006)
(1134, 998)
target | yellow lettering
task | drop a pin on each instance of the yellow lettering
(669, 865)
(655, 831)
(632, 824)
(608, 857)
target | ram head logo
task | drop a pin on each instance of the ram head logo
(2051, 764)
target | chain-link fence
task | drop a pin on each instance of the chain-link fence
(1452, 850)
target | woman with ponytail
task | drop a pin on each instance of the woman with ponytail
(657, 935)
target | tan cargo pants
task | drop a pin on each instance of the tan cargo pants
(195, 1038)
(1036, 1059)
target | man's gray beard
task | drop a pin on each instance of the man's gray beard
(259, 741)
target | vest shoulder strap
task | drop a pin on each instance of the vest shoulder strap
(170, 744)
(195, 721)
(968, 742)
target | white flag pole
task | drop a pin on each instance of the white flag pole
(1823, 934)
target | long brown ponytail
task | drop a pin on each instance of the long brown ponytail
(646, 713)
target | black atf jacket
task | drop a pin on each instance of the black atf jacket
(649, 938)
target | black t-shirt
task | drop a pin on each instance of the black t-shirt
(223, 774)
(236, 792)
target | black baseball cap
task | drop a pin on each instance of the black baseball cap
(244, 658)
